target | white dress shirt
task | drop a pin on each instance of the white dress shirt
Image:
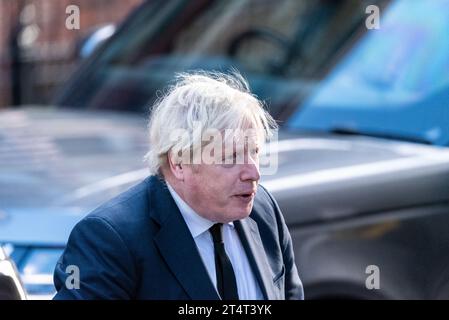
(247, 285)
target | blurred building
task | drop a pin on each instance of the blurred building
(37, 50)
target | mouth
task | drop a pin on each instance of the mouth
(248, 196)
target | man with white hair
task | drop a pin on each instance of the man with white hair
(199, 227)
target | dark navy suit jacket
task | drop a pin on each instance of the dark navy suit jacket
(137, 246)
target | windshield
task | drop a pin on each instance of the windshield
(394, 82)
(284, 48)
(314, 63)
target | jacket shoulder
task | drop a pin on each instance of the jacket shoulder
(126, 210)
(265, 201)
(265, 209)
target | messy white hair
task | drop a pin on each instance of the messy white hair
(216, 100)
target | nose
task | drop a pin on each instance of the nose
(250, 171)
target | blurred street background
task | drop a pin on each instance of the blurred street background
(37, 52)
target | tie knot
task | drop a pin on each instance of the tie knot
(215, 231)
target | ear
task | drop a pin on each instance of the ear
(176, 169)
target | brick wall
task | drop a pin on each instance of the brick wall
(47, 46)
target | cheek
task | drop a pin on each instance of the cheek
(217, 189)
(207, 188)
(215, 186)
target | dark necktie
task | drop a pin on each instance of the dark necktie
(226, 284)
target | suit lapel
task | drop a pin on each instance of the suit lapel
(252, 243)
(176, 244)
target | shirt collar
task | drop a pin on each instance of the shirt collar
(196, 223)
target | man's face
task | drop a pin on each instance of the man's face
(224, 192)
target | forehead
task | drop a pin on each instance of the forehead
(242, 137)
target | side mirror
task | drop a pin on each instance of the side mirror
(98, 35)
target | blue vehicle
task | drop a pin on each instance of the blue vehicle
(395, 81)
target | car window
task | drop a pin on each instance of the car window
(394, 81)
(283, 54)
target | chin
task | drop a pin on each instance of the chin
(238, 210)
(244, 212)
(236, 214)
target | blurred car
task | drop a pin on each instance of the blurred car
(55, 166)
(363, 163)
(284, 55)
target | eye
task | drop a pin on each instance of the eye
(255, 151)
(230, 161)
